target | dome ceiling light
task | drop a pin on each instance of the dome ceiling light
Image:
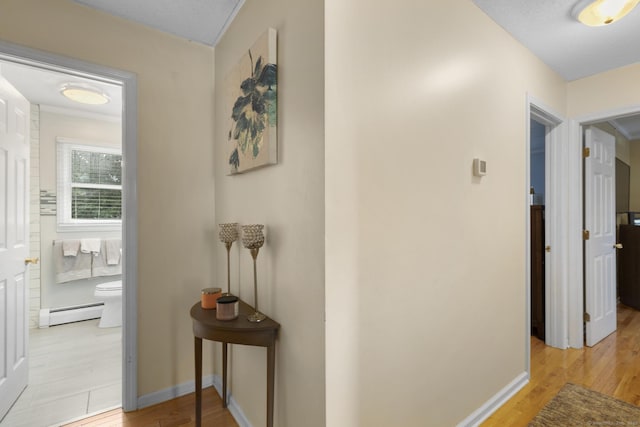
(84, 94)
(603, 12)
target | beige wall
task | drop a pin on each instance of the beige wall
(175, 161)
(604, 92)
(289, 199)
(425, 264)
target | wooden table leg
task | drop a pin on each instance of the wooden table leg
(224, 374)
(271, 368)
(198, 353)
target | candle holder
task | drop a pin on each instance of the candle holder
(253, 239)
(228, 234)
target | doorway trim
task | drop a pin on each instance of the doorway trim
(575, 202)
(127, 80)
(555, 283)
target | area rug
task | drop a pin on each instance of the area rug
(577, 406)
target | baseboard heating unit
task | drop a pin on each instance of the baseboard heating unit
(59, 316)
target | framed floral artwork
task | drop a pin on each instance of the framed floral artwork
(253, 99)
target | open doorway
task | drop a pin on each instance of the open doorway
(75, 216)
(574, 288)
(621, 247)
(544, 278)
(564, 210)
(126, 82)
(537, 186)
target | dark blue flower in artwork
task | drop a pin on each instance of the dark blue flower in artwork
(234, 160)
(254, 110)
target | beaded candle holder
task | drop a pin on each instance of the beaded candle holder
(228, 234)
(253, 239)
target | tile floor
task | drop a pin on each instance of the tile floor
(74, 370)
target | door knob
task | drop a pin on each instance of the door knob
(31, 261)
(618, 246)
(547, 248)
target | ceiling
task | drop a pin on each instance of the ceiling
(549, 30)
(546, 27)
(202, 21)
(43, 87)
(627, 126)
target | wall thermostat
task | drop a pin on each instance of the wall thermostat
(479, 167)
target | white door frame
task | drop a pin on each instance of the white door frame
(555, 210)
(128, 82)
(576, 203)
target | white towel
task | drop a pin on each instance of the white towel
(100, 265)
(113, 249)
(90, 245)
(70, 268)
(70, 247)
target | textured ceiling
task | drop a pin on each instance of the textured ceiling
(629, 126)
(549, 30)
(574, 50)
(203, 21)
(546, 27)
(43, 87)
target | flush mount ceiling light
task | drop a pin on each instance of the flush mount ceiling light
(84, 94)
(602, 12)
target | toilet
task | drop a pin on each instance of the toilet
(111, 294)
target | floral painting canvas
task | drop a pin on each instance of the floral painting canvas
(252, 136)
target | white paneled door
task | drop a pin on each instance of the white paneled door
(600, 244)
(14, 243)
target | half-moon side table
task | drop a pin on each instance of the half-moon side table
(238, 331)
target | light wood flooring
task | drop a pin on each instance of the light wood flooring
(174, 413)
(74, 370)
(611, 367)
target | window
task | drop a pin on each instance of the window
(89, 186)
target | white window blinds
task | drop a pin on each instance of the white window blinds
(89, 185)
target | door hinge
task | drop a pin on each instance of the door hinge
(586, 152)
(587, 317)
(585, 234)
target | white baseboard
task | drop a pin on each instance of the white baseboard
(189, 387)
(172, 392)
(51, 317)
(482, 413)
(43, 319)
(232, 404)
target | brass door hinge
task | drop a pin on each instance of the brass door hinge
(585, 234)
(586, 152)
(587, 317)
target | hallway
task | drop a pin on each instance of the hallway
(611, 367)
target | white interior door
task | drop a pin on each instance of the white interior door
(14, 244)
(600, 221)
